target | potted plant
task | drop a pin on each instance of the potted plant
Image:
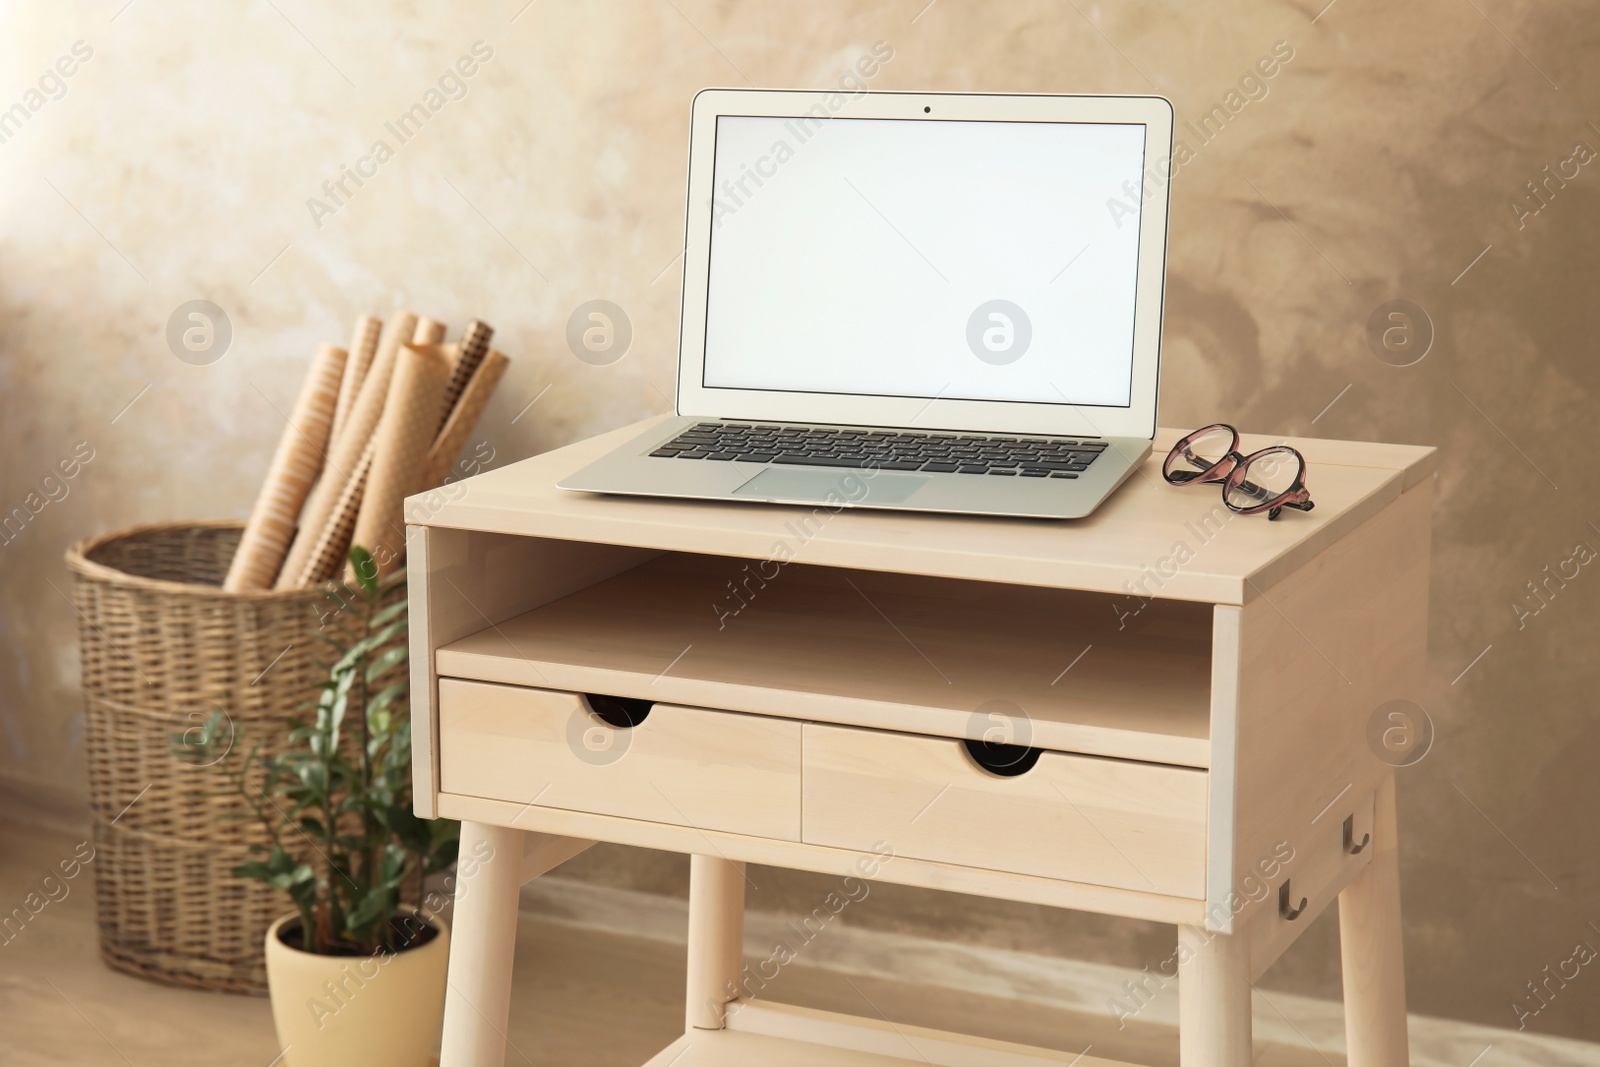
(357, 971)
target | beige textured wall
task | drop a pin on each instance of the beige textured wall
(1385, 156)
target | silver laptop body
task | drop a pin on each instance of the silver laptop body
(931, 302)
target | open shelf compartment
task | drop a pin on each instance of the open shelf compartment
(947, 657)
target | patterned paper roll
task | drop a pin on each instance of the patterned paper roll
(346, 453)
(333, 543)
(427, 332)
(362, 347)
(458, 427)
(470, 350)
(410, 421)
(294, 467)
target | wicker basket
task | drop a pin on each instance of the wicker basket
(162, 648)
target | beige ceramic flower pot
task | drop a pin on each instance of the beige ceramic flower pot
(337, 1011)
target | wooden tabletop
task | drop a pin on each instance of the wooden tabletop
(1148, 537)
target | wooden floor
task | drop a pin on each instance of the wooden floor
(582, 998)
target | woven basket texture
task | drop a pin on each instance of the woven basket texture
(163, 648)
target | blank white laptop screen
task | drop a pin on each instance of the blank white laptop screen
(925, 258)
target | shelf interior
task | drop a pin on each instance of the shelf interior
(1058, 669)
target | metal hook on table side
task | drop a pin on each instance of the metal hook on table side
(1350, 844)
(1290, 913)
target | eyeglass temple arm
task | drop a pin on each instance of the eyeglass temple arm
(1300, 499)
(1299, 505)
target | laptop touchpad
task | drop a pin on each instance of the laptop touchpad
(838, 488)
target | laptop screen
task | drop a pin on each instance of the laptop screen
(963, 260)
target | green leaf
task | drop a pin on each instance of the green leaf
(387, 696)
(386, 634)
(396, 610)
(369, 911)
(289, 881)
(253, 869)
(198, 744)
(337, 706)
(366, 569)
(351, 660)
(386, 662)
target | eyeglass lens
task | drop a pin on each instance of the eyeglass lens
(1206, 450)
(1267, 476)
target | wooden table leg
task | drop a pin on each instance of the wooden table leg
(1371, 950)
(482, 943)
(716, 938)
(1213, 999)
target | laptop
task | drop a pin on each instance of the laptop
(922, 301)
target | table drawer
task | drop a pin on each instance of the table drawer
(1138, 826)
(714, 770)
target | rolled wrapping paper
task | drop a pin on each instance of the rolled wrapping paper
(470, 350)
(346, 452)
(295, 465)
(458, 427)
(333, 543)
(410, 423)
(427, 332)
(363, 345)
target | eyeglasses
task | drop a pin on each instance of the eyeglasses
(1269, 480)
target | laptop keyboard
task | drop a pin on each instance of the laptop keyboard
(890, 450)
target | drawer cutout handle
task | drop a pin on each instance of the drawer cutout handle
(1350, 844)
(1005, 761)
(622, 712)
(1290, 913)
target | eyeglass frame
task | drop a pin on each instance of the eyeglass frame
(1230, 470)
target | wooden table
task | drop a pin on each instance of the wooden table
(1188, 692)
